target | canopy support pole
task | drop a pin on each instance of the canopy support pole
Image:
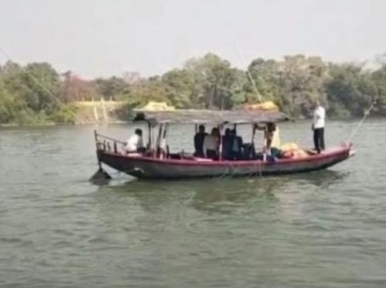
(220, 127)
(164, 144)
(252, 139)
(265, 152)
(158, 141)
(149, 136)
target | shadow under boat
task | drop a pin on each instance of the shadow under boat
(220, 195)
(317, 178)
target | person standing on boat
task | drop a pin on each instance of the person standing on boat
(135, 143)
(273, 140)
(273, 136)
(199, 141)
(318, 127)
(211, 144)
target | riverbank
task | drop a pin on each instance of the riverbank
(52, 124)
(113, 113)
(85, 113)
(121, 122)
(110, 112)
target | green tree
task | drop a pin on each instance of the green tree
(215, 81)
(350, 89)
(180, 87)
(111, 88)
(29, 94)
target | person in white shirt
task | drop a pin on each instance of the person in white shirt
(135, 143)
(211, 144)
(318, 127)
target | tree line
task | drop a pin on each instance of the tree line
(209, 82)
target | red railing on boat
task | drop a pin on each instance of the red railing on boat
(106, 143)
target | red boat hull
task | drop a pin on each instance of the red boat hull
(152, 168)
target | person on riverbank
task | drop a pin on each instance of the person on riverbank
(318, 125)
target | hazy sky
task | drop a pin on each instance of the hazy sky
(108, 37)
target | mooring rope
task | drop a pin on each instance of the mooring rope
(250, 77)
(227, 173)
(367, 112)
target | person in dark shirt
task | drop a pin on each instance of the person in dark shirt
(227, 145)
(199, 141)
(237, 144)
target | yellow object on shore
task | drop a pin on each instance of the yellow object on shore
(267, 106)
(157, 106)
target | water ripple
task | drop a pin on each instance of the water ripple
(324, 229)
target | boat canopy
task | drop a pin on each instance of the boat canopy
(210, 117)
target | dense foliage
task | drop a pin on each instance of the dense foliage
(31, 95)
(210, 82)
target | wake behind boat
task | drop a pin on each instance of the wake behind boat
(157, 162)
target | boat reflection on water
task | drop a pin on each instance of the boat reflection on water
(224, 195)
(322, 179)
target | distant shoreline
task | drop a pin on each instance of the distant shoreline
(89, 123)
(52, 124)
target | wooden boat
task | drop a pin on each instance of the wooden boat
(158, 164)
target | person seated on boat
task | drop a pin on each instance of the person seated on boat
(272, 141)
(249, 152)
(211, 144)
(135, 143)
(237, 144)
(227, 145)
(199, 141)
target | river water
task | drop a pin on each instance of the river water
(324, 229)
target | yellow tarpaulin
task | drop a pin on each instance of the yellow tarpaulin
(292, 150)
(289, 147)
(267, 106)
(157, 106)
